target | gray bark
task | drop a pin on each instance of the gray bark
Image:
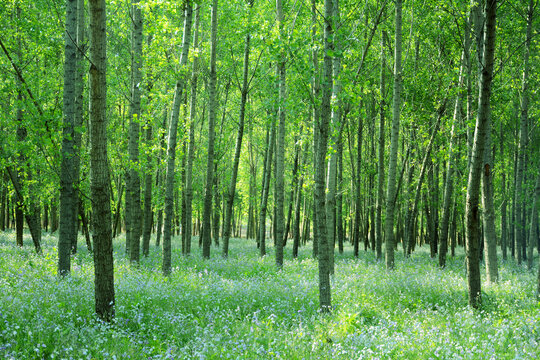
(394, 140)
(171, 143)
(212, 104)
(133, 187)
(519, 231)
(380, 165)
(99, 167)
(472, 210)
(322, 144)
(191, 144)
(280, 147)
(244, 92)
(68, 196)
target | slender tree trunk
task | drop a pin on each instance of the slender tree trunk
(336, 129)
(449, 183)
(475, 172)
(68, 194)
(280, 147)
(191, 144)
(266, 188)
(533, 235)
(519, 232)
(380, 165)
(411, 216)
(212, 103)
(394, 140)
(99, 169)
(316, 113)
(244, 93)
(358, 198)
(488, 214)
(133, 186)
(171, 143)
(322, 143)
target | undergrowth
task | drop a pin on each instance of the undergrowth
(244, 308)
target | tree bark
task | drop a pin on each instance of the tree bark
(322, 143)
(171, 143)
(68, 194)
(99, 168)
(244, 93)
(519, 231)
(380, 165)
(394, 140)
(280, 147)
(133, 187)
(449, 183)
(266, 188)
(533, 234)
(472, 210)
(212, 103)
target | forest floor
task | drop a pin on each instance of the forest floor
(243, 308)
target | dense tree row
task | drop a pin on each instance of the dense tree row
(311, 123)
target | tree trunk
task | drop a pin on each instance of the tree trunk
(394, 140)
(523, 134)
(171, 143)
(212, 103)
(411, 216)
(533, 237)
(266, 188)
(68, 194)
(449, 183)
(322, 143)
(280, 147)
(477, 155)
(488, 214)
(133, 187)
(380, 164)
(244, 92)
(99, 169)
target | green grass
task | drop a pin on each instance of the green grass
(243, 308)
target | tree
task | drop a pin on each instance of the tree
(68, 194)
(133, 185)
(188, 222)
(280, 145)
(472, 210)
(212, 104)
(392, 174)
(322, 127)
(171, 142)
(99, 168)
(244, 93)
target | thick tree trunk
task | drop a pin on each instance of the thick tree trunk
(394, 140)
(477, 155)
(171, 143)
(68, 195)
(212, 103)
(99, 169)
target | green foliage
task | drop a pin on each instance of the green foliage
(243, 308)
